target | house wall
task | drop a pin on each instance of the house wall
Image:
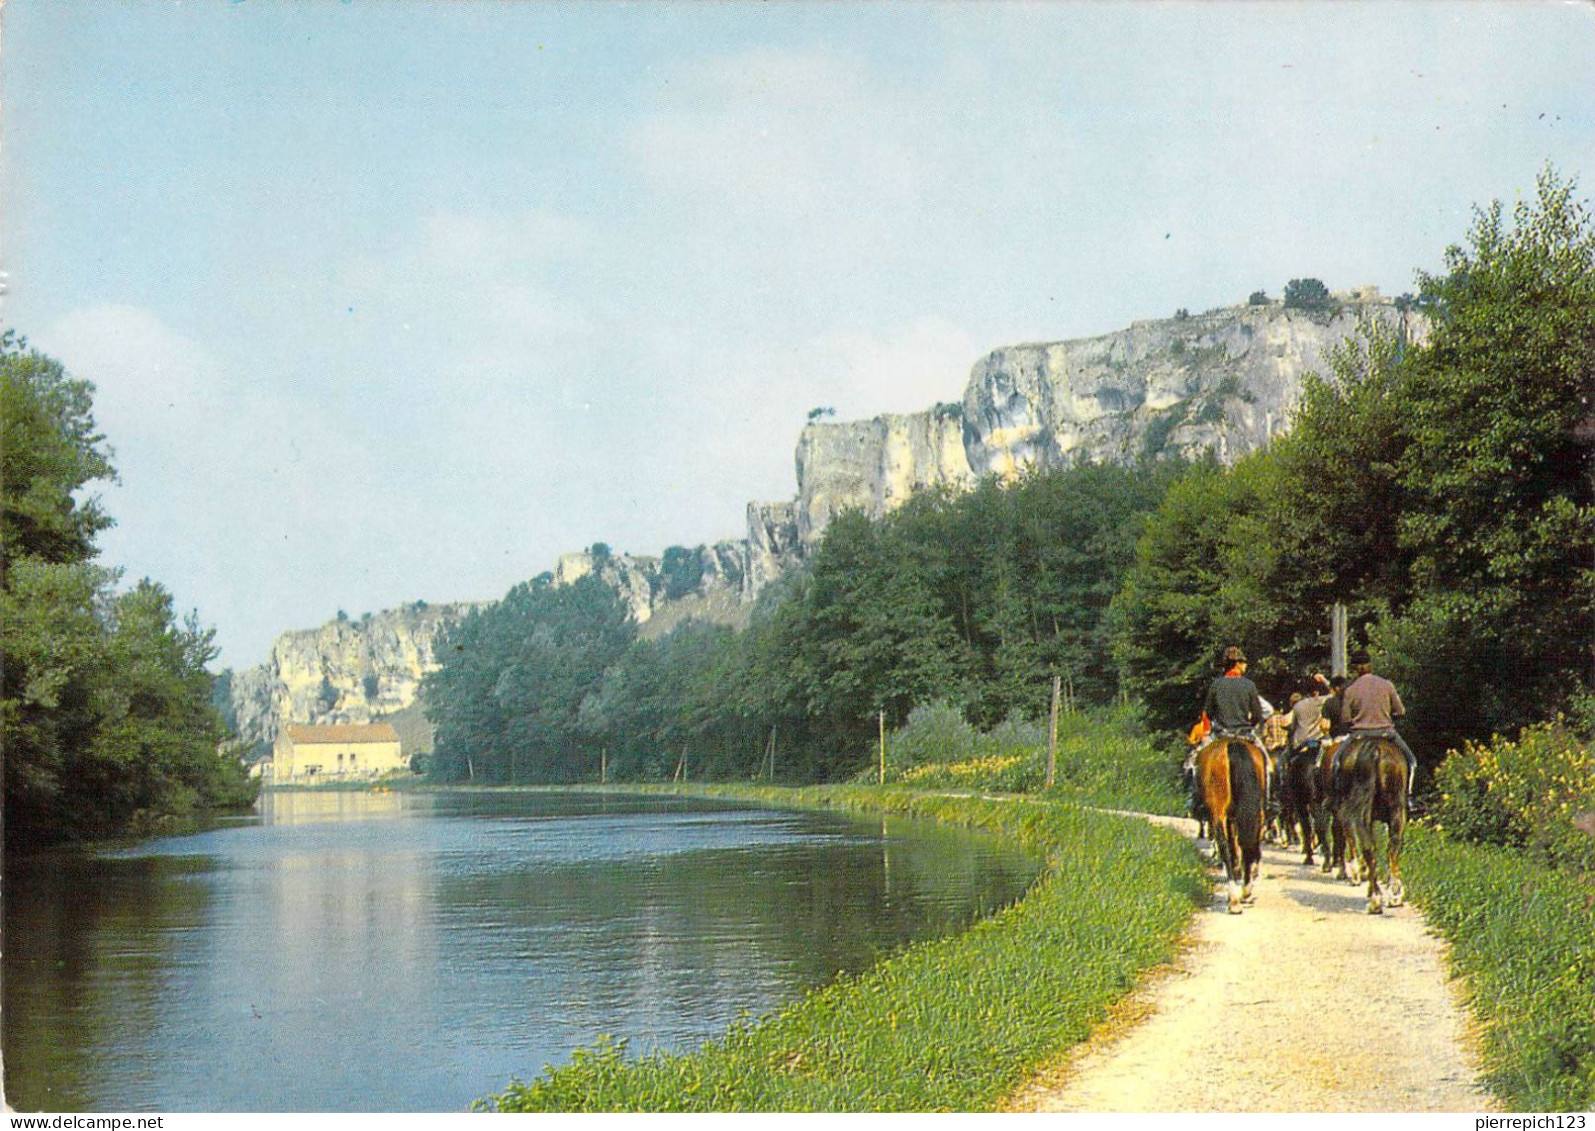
(331, 761)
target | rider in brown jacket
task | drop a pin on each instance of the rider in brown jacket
(1370, 706)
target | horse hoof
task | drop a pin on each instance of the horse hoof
(1234, 909)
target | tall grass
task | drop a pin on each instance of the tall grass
(1105, 758)
(1523, 936)
(948, 1025)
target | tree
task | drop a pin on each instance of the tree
(1307, 294)
(107, 713)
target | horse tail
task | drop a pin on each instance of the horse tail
(1246, 793)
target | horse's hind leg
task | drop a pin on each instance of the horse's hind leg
(1398, 824)
(1225, 831)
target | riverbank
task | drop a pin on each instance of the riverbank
(952, 1025)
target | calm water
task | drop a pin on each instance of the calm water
(413, 952)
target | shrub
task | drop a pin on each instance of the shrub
(1105, 758)
(1536, 794)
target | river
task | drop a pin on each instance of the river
(415, 951)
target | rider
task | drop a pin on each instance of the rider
(1370, 707)
(1307, 717)
(1232, 707)
(1232, 702)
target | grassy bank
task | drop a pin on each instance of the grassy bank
(952, 1024)
(1523, 936)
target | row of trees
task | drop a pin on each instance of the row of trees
(105, 707)
(1436, 481)
(974, 598)
(1441, 488)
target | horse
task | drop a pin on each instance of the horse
(1298, 800)
(1371, 785)
(1231, 776)
(1328, 826)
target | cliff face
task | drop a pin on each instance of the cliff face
(1225, 381)
(346, 671)
(651, 585)
(875, 465)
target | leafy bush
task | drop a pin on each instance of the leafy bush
(1536, 794)
(1105, 757)
(1523, 938)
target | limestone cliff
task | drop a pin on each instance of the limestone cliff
(1225, 381)
(346, 671)
(875, 465)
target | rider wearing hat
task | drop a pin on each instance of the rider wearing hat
(1232, 704)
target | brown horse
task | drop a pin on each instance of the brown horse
(1298, 800)
(1371, 785)
(1327, 823)
(1231, 778)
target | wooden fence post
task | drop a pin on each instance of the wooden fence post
(883, 747)
(1052, 732)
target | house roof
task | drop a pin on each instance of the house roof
(345, 732)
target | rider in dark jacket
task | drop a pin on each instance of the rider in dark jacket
(1232, 702)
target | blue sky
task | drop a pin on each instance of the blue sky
(401, 300)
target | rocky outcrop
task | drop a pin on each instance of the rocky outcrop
(1225, 382)
(876, 465)
(346, 671)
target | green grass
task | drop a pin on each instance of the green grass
(949, 1025)
(1106, 758)
(1523, 937)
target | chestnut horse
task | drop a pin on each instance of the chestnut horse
(1231, 778)
(1371, 785)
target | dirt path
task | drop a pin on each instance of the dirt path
(1302, 1003)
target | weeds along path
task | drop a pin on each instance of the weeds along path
(1301, 1003)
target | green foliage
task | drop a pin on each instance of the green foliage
(937, 749)
(682, 571)
(1523, 939)
(107, 713)
(1441, 491)
(1105, 758)
(950, 1025)
(1307, 294)
(507, 700)
(1537, 794)
(820, 413)
(1257, 298)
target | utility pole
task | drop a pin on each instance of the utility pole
(1337, 640)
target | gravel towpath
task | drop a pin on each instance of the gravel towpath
(1302, 1003)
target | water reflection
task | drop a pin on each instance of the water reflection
(412, 952)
